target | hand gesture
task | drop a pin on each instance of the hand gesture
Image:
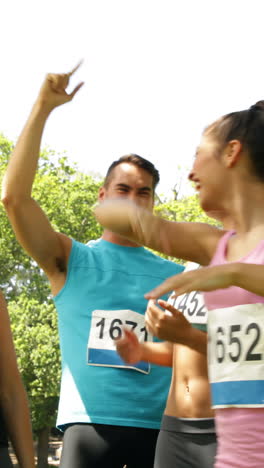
(202, 279)
(128, 347)
(169, 326)
(53, 91)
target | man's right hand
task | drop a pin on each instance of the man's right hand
(53, 91)
(129, 348)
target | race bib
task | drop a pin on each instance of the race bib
(236, 355)
(192, 304)
(106, 326)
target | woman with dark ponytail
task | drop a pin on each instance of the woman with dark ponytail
(228, 173)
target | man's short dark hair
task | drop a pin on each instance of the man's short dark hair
(138, 161)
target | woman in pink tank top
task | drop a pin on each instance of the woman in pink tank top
(229, 176)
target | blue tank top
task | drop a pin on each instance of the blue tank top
(104, 290)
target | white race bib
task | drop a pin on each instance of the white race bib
(191, 304)
(106, 326)
(236, 355)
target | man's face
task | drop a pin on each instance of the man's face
(130, 182)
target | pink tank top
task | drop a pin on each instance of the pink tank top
(236, 366)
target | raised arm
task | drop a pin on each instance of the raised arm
(30, 224)
(189, 241)
(13, 399)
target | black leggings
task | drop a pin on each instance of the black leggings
(106, 446)
(5, 461)
(185, 443)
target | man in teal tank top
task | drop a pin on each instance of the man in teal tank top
(110, 412)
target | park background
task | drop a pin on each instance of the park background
(156, 72)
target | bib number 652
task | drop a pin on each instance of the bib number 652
(229, 346)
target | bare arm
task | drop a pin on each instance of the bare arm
(248, 276)
(244, 275)
(13, 397)
(132, 351)
(158, 353)
(189, 241)
(30, 224)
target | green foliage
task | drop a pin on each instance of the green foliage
(11, 255)
(185, 210)
(67, 197)
(6, 146)
(34, 327)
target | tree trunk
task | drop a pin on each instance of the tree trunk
(43, 447)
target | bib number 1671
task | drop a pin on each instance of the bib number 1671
(114, 329)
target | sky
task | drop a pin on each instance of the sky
(156, 72)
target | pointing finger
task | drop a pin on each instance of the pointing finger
(75, 68)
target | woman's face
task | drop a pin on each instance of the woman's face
(208, 174)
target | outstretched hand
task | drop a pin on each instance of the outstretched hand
(53, 91)
(202, 279)
(129, 347)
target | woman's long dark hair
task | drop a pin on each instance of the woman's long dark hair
(247, 126)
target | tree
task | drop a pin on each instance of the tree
(67, 197)
(34, 327)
